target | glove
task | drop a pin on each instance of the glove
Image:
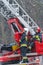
(19, 40)
(30, 47)
(26, 38)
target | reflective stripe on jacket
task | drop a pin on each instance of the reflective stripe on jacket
(23, 45)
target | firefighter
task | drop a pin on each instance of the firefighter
(38, 35)
(30, 43)
(23, 45)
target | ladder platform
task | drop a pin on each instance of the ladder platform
(26, 63)
(18, 55)
(28, 54)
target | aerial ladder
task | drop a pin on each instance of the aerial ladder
(11, 8)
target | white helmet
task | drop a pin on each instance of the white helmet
(26, 30)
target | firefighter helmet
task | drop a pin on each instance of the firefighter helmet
(26, 30)
(38, 29)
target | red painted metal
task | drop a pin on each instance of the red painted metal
(5, 58)
(39, 47)
(15, 20)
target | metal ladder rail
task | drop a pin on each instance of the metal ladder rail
(8, 9)
(5, 11)
(24, 14)
(20, 18)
